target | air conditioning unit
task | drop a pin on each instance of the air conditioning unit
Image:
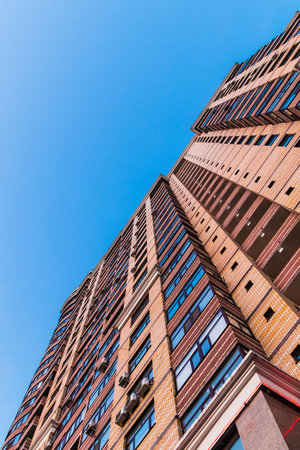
(133, 253)
(124, 277)
(144, 387)
(133, 269)
(274, 56)
(117, 279)
(102, 365)
(136, 233)
(91, 428)
(121, 417)
(124, 380)
(132, 402)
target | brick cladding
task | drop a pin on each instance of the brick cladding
(227, 213)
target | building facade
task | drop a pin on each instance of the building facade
(186, 333)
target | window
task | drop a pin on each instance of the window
(271, 139)
(234, 266)
(46, 362)
(267, 98)
(249, 140)
(282, 92)
(19, 423)
(108, 341)
(61, 330)
(141, 267)
(185, 292)
(75, 404)
(230, 440)
(103, 383)
(112, 349)
(34, 388)
(70, 431)
(147, 373)
(136, 285)
(223, 250)
(199, 350)
(40, 374)
(175, 260)
(52, 349)
(257, 179)
(236, 445)
(140, 309)
(169, 238)
(138, 331)
(249, 285)
(191, 316)
(271, 184)
(290, 98)
(241, 140)
(296, 354)
(12, 442)
(246, 174)
(102, 408)
(215, 238)
(167, 231)
(211, 389)
(257, 101)
(141, 428)
(238, 323)
(286, 140)
(139, 354)
(260, 139)
(180, 274)
(268, 314)
(289, 191)
(27, 404)
(102, 439)
(172, 248)
(163, 222)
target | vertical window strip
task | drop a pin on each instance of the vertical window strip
(199, 350)
(141, 429)
(103, 383)
(191, 316)
(185, 292)
(184, 268)
(211, 389)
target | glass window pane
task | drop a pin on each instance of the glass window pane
(217, 330)
(196, 360)
(184, 375)
(141, 433)
(205, 346)
(237, 445)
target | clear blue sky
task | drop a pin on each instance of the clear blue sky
(96, 99)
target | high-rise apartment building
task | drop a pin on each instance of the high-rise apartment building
(186, 334)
